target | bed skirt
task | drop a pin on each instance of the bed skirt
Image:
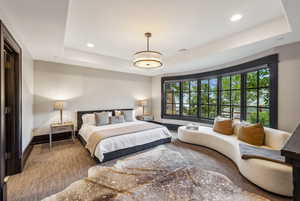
(122, 152)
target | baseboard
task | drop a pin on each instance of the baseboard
(41, 139)
(26, 154)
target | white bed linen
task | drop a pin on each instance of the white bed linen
(123, 141)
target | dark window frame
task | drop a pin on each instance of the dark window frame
(230, 90)
(271, 62)
(208, 104)
(257, 89)
(189, 92)
(173, 100)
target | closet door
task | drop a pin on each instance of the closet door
(2, 127)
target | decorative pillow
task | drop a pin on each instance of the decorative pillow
(223, 126)
(89, 119)
(118, 112)
(117, 119)
(252, 134)
(109, 114)
(102, 118)
(128, 115)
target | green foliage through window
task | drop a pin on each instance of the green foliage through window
(258, 96)
(190, 98)
(172, 96)
(222, 95)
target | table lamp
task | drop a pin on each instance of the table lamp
(59, 105)
(143, 103)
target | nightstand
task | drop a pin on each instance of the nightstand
(145, 118)
(61, 128)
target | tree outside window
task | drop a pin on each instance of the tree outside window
(172, 97)
(230, 93)
(258, 96)
(208, 98)
(190, 98)
(247, 94)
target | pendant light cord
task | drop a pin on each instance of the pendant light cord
(148, 35)
(147, 43)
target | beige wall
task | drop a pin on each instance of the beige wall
(288, 89)
(27, 99)
(83, 89)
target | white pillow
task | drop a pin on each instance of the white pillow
(134, 115)
(89, 119)
(118, 113)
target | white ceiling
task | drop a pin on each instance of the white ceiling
(58, 30)
(117, 27)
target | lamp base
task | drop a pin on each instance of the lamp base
(61, 116)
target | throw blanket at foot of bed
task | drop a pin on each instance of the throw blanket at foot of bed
(98, 136)
(161, 175)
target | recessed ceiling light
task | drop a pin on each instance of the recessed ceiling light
(236, 17)
(90, 45)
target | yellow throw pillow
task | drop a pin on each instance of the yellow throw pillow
(252, 134)
(223, 126)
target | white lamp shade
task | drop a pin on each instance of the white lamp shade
(147, 59)
(59, 105)
(143, 102)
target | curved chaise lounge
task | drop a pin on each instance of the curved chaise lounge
(271, 176)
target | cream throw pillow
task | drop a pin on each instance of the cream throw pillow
(223, 126)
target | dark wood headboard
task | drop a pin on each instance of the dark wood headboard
(80, 113)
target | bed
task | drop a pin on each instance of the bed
(120, 145)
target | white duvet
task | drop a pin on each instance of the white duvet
(123, 141)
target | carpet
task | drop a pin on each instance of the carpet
(159, 174)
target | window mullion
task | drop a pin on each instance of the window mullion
(257, 98)
(173, 102)
(219, 96)
(230, 98)
(180, 99)
(189, 112)
(243, 106)
(199, 99)
(208, 102)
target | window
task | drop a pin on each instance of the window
(231, 96)
(190, 98)
(247, 92)
(172, 97)
(208, 100)
(258, 96)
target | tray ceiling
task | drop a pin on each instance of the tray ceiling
(59, 30)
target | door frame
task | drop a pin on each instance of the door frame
(7, 38)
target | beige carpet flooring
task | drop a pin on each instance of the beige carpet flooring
(48, 172)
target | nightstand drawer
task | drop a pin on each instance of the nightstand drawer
(62, 129)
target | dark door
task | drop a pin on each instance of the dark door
(9, 111)
(10, 107)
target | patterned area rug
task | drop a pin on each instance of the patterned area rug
(159, 174)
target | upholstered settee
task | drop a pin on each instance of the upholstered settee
(271, 176)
